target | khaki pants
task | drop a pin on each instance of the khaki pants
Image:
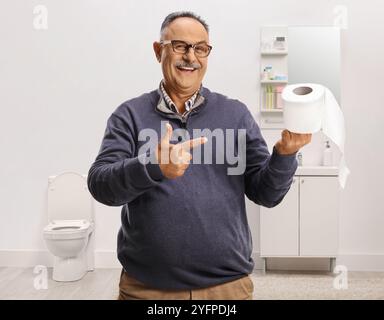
(131, 289)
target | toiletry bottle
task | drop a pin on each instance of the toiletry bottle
(279, 43)
(279, 100)
(272, 93)
(266, 97)
(327, 156)
(299, 159)
(270, 103)
(265, 74)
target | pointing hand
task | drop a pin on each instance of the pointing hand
(174, 159)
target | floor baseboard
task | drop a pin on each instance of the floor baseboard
(32, 258)
(108, 259)
(353, 262)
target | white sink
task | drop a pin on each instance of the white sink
(317, 171)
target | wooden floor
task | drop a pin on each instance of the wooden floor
(18, 283)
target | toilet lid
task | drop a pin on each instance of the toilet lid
(69, 198)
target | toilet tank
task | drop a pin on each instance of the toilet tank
(69, 198)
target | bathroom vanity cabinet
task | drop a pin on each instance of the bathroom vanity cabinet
(305, 223)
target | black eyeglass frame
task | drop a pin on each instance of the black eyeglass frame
(187, 46)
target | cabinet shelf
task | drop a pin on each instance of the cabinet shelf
(274, 53)
(273, 110)
(273, 81)
(273, 76)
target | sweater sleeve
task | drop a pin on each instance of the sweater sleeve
(267, 177)
(117, 176)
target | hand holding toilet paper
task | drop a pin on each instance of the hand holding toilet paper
(309, 108)
(291, 142)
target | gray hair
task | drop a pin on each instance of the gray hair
(181, 14)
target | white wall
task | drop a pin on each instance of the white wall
(58, 87)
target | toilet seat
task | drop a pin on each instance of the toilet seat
(68, 229)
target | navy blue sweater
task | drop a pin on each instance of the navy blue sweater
(192, 231)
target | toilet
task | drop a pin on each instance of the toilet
(69, 235)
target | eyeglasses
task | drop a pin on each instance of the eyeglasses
(201, 49)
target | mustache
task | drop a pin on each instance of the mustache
(183, 64)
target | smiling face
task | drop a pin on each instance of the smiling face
(183, 73)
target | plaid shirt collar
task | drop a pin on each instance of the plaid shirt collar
(189, 104)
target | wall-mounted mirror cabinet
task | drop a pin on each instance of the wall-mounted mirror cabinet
(295, 54)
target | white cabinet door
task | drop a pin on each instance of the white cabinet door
(279, 226)
(319, 214)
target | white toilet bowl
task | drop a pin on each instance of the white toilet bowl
(67, 241)
(69, 234)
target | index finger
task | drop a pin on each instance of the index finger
(190, 144)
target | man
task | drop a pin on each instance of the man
(184, 231)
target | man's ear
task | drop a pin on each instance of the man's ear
(157, 50)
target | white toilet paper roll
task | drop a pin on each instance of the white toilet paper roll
(309, 108)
